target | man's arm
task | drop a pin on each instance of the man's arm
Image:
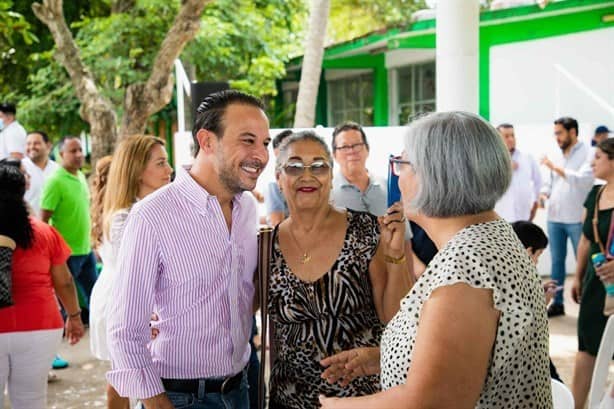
(581, 177)
(50, 199)
(133, 373)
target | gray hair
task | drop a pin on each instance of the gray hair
(311, 136)
(461, 163)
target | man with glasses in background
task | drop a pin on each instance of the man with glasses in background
(354, 187)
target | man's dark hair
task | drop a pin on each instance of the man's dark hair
(568, 123)
(42, 134)
(505, 125)
(8, 108)
(14, 222)
(62, 141)
(279, 138)
(531, 235)
(349, 126)
(211, 110)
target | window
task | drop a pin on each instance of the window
(416, 90)
(351, 99)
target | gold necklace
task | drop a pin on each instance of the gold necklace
(306, 257)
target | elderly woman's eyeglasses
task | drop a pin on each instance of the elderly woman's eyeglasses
(317, 168)
(398, 164)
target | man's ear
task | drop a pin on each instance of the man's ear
(206, 140)
(530, 251)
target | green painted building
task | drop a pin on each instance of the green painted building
(534, 64)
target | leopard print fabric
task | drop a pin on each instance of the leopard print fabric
(314, 320)
(6, 257)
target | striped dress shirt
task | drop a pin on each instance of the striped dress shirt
(179, 260)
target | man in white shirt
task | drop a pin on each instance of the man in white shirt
(520, 201)
(566, 190)
(38, 165)
(13, 135)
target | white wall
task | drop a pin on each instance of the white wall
(534, 82)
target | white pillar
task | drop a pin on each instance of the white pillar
(457, 55)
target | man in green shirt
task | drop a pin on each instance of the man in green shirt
(65, 204)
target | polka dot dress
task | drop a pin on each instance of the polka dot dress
(487, 255)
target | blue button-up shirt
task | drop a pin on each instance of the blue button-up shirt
(373, 200)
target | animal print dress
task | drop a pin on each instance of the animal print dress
(312, 320)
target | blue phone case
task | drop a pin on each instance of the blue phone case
(394, 193)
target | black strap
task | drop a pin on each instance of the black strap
(265, 247)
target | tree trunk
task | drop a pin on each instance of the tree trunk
(142, 99)
(95, 108)
(312, 65)
(145, 99)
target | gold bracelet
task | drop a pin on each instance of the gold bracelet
(75, 315)
(394, 260)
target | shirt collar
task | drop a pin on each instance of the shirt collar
(574, 148)
(67, 173)
(343, 182)
(198, 195)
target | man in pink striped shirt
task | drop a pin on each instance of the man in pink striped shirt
(189, 252)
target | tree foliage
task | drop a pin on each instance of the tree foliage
(353, 18)
(245, 42)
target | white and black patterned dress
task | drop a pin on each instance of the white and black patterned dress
(487, 255)
(314, 320)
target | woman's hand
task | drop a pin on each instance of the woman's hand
(348, 365)
(392, 230)
(576, 290)
(606, 272)
(328, 403)
(549, 290)
(74, 329)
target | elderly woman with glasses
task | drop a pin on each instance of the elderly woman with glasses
(472, 332)
(337, 277)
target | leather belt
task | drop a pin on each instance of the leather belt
(222, 386)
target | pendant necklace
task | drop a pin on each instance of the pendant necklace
(306, 257)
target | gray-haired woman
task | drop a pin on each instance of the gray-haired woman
(472, 332)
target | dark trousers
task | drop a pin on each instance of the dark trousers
(83, 270)
(253, 370)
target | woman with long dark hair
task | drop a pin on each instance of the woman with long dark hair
(588, 289)
(31, 326)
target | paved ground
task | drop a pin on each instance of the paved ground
(82, 384)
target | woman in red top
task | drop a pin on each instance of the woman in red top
(31, 328)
